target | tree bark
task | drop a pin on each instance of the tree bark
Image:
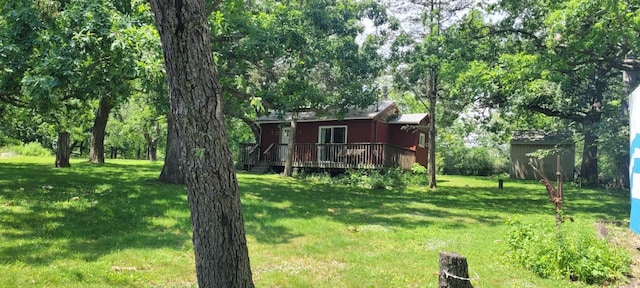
(63, 150)
(589, 167)
(96, 150)
(172, 169)
(221, 254)
(454, 272)
(152, 151)
(433, 96)
(152, 139)
(288, 164)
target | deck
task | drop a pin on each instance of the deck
(330, 156)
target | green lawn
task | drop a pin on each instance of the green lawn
(115, 226)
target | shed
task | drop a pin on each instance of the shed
(547, 145)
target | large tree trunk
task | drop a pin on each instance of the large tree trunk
(433, 96)
(96, 151)
(221, 254)
(288, 164)
(63, 150)
(172, 169)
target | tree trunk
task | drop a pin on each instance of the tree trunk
(63, 150)
(589, 167)
(152, 151)
(171, 170)
(433, 96)
(152, 142)
(288, 164)
(454, 272)
(96, 151)
(221, 254)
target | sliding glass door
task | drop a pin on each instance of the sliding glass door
(330, 135)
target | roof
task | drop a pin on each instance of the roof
(542, 137)
(409, 118)
(369, 112)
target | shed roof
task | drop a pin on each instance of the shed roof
(542, 137)
(369, 112)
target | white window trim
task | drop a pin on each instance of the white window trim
(422, 141)
(346, 132)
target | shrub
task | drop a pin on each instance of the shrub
(35, 149)
(559, 253)
(373, 179)
(468, 161)
(416, 168)
(29, 149)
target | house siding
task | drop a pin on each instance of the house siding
(403, 138)
(383, 133)
(358, 131)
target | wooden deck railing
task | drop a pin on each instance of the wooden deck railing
(345, 156)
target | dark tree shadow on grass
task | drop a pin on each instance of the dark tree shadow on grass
(89, 211)
(449, 207)
(85, 211)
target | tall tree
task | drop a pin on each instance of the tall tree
(424, 63)
(82, 52)
(564, 59)
(222, 258)
(314, 62)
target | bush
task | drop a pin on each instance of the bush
(416, 168)
(372, 179)
(29, 149)
(559, 253)
(468, 161)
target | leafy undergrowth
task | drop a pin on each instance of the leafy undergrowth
(568, 254)
(114, 225)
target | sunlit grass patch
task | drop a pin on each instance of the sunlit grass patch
(114, 225)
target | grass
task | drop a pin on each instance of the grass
(113, 225)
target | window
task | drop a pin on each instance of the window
(332, 134)
(423, 140)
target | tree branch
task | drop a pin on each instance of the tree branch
(12, 100)
(528, 34)
(212, 7)
(570, 115)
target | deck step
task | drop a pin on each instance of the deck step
(261, 168)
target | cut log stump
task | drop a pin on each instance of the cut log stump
(454, 271)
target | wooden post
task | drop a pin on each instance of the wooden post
(500, 184)
(453, 271)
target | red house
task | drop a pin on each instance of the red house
(376, 137)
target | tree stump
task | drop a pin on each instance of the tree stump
(454, 271)
(63, 150)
